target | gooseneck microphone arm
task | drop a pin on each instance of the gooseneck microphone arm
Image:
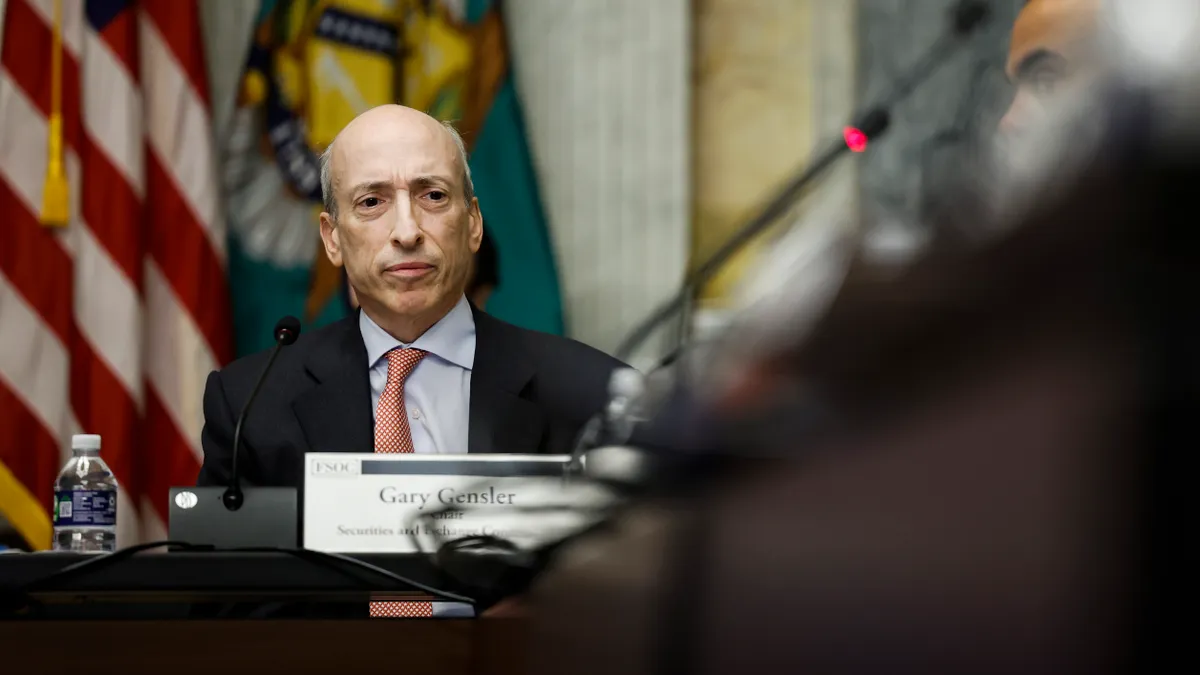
(965, 18)
(872, 124)
(286, 332)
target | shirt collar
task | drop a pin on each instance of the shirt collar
(452, 338)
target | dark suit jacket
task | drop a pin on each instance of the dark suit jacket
(530, 393)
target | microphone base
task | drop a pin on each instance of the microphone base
(266, 516)
(233, 499)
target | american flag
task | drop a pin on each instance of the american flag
(110, 324)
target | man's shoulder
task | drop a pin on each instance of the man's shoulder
(549, 349)
(559, 347)
(291, 357)
(568, 378)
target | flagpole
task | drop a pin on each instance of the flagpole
(56, 196)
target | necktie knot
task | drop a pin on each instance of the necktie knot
(401, 363)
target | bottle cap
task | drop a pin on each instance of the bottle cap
(85, 442)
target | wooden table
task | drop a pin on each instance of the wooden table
(143, 611)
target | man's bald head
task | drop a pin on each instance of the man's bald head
(1064, 27)
(385, 114)
(1052, 41)
(400, 216)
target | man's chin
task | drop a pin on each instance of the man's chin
(412, 303)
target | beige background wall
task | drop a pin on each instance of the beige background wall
(772, 79)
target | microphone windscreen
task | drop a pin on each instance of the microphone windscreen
(287, 330)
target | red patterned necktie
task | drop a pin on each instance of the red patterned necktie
(392, 434)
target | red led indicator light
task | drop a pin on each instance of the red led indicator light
(855, 139)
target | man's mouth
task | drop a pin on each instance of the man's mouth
(409, 270)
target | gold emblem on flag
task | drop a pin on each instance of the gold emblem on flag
(317, 64)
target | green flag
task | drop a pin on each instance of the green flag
(312, 67)
(457, 68)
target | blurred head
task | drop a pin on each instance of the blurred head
(1050, 50)
(401, 216)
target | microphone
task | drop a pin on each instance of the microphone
(625, 388)
(966, 17)
(286, 332)
(613, 424)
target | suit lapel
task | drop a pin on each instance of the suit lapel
(501, 420)
(335, 415)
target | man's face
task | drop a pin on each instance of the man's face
(1050, 41)
(404, 229)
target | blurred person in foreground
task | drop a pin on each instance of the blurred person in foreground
(982, 497)
(417, 368)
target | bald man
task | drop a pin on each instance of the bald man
(417, 368)
(1050, 50)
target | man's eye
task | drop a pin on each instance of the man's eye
(370, 202)
(1045, 81)
(436, 195)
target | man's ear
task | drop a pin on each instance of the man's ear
(329, 237)
(475, 223)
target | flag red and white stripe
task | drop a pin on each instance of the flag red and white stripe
(111, 324)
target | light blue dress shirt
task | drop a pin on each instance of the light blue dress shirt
(437, 393)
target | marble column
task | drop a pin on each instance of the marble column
(605, 88)
(772, 79)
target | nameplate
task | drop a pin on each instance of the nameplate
(393, 503)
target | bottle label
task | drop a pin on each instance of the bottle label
(80, 508)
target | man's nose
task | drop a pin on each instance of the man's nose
(1016, 117)
(1009, 123)
(406, 230)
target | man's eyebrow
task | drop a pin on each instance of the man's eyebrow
(429, 180)
(1038, 59)
(371, 186)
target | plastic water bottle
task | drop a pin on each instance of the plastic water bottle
(85, 500)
